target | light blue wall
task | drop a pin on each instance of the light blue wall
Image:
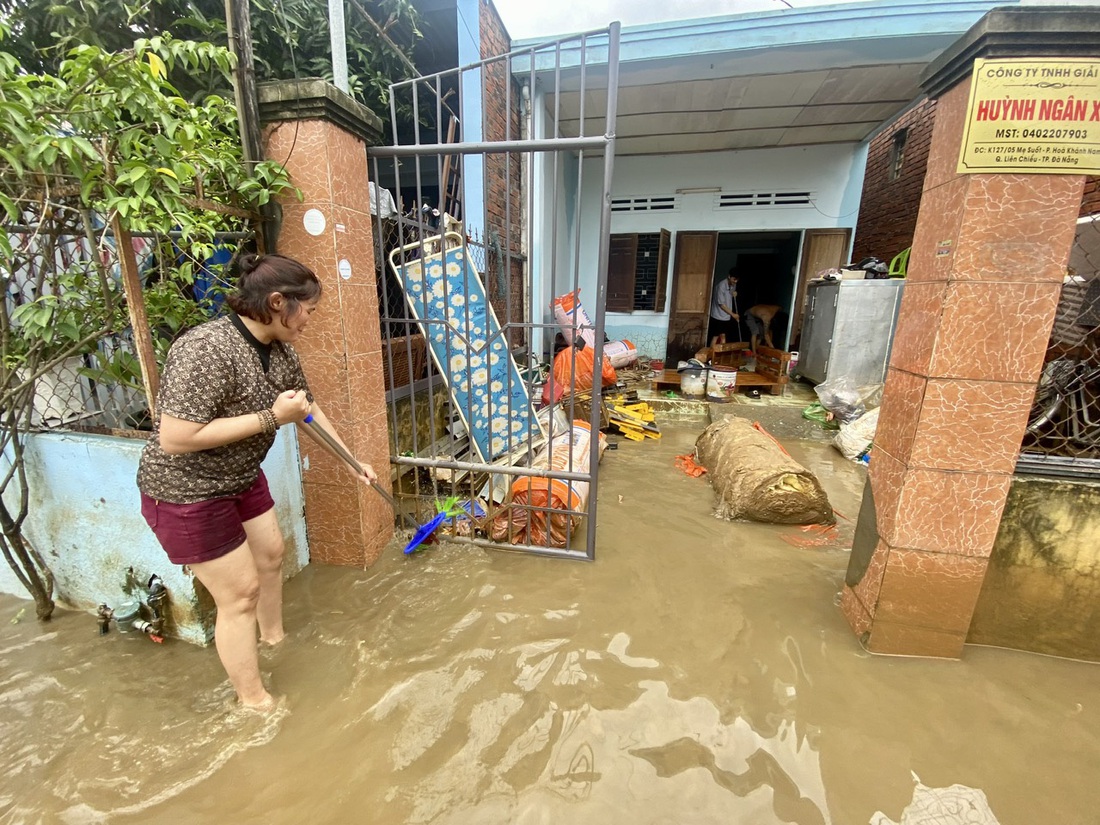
(469, 53)
(556, 213)
(85, 521)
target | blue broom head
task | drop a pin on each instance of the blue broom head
(424, 532)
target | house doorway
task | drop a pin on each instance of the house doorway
(767, 266)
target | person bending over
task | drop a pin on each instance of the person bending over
(228, 385)
(759, 320)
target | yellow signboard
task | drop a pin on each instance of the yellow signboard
(1037, 116)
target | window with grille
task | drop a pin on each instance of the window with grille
(897, 152)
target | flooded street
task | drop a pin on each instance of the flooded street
(698, 672)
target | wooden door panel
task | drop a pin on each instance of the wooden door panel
(692, 277)
(821, 249)
(662, 269)
(621, 263)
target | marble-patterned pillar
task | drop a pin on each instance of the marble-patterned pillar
(989, 254)
(320, 134)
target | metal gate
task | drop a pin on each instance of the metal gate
(1063, 429)
(480, 216)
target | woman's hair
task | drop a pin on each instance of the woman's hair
(260, 275)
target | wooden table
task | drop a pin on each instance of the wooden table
(670, 380)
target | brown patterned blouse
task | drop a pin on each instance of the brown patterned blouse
(214, 372)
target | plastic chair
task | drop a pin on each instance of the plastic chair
(899, 265)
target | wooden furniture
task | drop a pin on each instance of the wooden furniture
(772, 366)
(729, 355)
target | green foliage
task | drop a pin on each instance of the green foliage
(109, 135)
(290, 37)
(104, 141)
(111, 124)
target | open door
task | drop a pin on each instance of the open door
(821, 249)
(692, 277)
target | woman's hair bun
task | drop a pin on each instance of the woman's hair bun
(247, 262)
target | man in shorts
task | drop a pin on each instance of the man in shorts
(759, 320)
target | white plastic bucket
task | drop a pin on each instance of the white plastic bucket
(721, 383)
(693, 382)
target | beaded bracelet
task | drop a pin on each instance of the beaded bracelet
(268, 422)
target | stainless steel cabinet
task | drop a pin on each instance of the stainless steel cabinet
(848, 330)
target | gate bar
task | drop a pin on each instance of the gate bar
(492, 147)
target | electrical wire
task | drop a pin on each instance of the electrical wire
(297, 82)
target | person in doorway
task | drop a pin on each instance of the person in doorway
(724, 318)
(228, 386)
(759, 319)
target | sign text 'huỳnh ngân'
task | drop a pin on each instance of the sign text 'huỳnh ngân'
(1033, 116)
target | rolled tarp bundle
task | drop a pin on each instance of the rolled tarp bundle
(756, 479)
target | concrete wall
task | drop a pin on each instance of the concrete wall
(86, 522)
(1042, 587)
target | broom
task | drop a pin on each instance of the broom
(420, 532)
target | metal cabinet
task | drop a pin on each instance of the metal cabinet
(848, 330)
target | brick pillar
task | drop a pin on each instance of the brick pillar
(989, 254)
(321, 135)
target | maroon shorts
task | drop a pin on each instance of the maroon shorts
(205, 530)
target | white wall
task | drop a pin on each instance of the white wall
(832, 173)
(85, 520)
(468, 31)
(554, 218)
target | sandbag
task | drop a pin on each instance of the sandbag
(564, 381)
(756, 479)
(856, 437)
(568, 451)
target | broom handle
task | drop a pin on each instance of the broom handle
(341, 452)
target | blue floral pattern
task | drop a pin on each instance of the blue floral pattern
(469, 349)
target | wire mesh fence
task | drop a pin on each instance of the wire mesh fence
(1063, 432)
(70, 357)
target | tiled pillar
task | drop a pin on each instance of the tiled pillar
(989, 254)
(321, 134)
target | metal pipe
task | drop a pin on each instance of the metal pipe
(601, 276)
(472, 466)
(490, 147)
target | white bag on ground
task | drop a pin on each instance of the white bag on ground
(855, 438)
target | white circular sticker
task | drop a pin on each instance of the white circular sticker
(314, 221)
(345, 268)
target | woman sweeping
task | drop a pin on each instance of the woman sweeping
(228, 386)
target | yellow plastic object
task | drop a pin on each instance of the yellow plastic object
(900, 264)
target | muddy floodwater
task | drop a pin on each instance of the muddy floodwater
(698, 672)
